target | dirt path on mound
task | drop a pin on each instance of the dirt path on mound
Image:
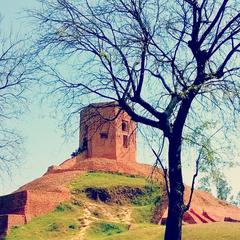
(123, 215)
(86, 221)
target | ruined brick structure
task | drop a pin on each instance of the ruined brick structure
(34, 199)
(107, 142)
(107, 132)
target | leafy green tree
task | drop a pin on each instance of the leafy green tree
(223, 189)
(235, 200)
(204, 184)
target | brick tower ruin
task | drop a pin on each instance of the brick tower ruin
(107, 132)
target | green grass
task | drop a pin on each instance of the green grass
(152, 195)
(104, 229)
(142, 214)
(216, 231)
(143, 204)
(106, 180)
(59, 224)
(138, 232)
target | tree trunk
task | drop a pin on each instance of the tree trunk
(174, 221)
(176, 202)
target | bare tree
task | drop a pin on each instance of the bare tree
(14, 73)
(166, 63)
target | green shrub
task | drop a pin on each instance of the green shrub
(64, 207)
(110, 228)
(104, 229)
(53, 227)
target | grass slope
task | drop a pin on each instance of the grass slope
(86, 219)
(106, 180)
(101, 230)
(70, 218)
(216, 231)
(59, 224)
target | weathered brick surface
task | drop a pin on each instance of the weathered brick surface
(102, 133)
(31, 203)
(206, 209)
(42, 202)
(34, 199)
(16, 220)
(106, 165)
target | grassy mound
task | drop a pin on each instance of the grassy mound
(130, 200)
(124, 213)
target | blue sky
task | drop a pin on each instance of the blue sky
(45, 143)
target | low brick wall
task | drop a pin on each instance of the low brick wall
(20, 207)
(40, 202)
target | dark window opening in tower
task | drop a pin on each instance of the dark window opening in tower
(104, 135)
(125, 141)
(125, 126)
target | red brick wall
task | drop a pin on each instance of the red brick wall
(20, 207)
(8, 221)
(106, 165)
(40, 202)
(94, 123)
(128, 154)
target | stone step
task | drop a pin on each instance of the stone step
(210, 218)
(191, 217)
(198, 217)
